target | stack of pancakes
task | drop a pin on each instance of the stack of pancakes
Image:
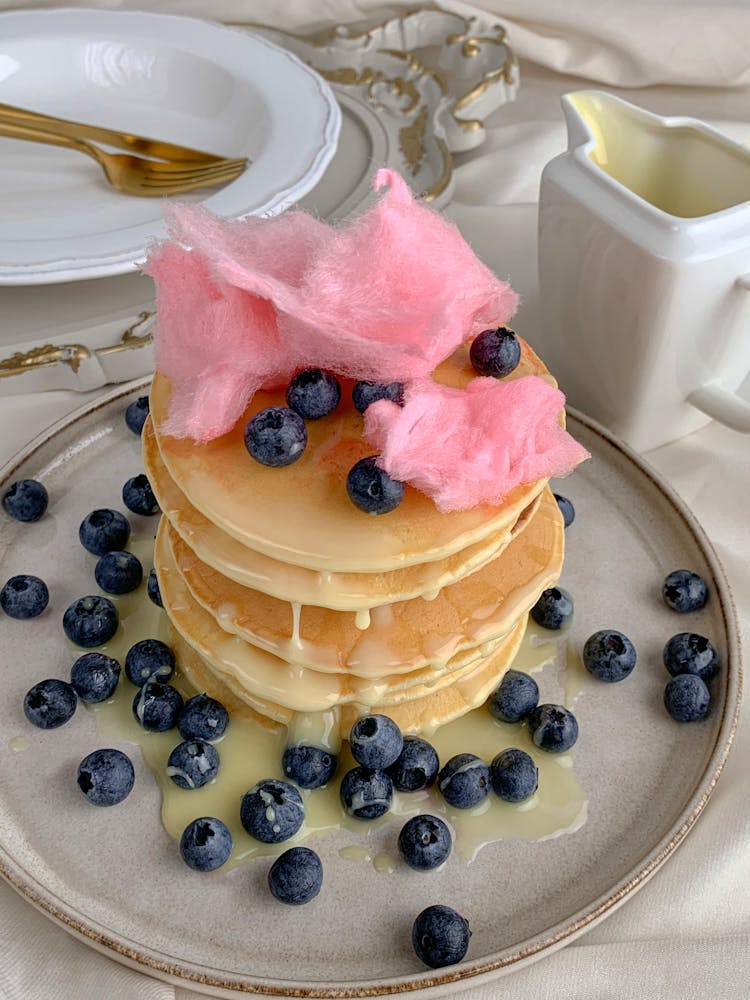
(286, 600)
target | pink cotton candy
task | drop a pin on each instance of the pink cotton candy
(472, 446)
(246, 303)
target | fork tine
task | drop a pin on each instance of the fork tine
(182, 187)
(198, 179)
(165, 190)
(172, 172)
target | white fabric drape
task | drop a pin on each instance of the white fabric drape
(630, 43)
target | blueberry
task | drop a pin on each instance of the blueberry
(149, 660)
(375, 741)
(152, 589)
(157, 707)
(296, 876)
(567, 509)
(138, 496)
(50, 704)
(313, 393)
(495, 352)
(440, 936)
(118, 572)
(371, 489)
(272, 811)
(193, 764)
(609, 655)
(687, 698)
(365, 393)
(464, 781)
(24, 596)
(276, 436)
(202, 718)
(106, 777)
(205, 844)
(104, 531)
(136, 413)
(90, 621)
(94, 677)
(26, 500)
(309, 766)
(553, 609)
(424, 842)
(516, 696)
(514, 775)
(416, 767)
(366, 794)
(689, 653)
(553, 728)
(684, 591)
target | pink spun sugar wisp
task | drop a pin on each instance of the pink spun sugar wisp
(244, 304)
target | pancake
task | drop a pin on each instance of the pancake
(198, 673)
(271, 510)
(423, 714)
(356, 592)
(247, 668)
(402, 637)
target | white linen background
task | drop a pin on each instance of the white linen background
(687, 932)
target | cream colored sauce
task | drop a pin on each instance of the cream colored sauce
(362, 619)
(355, 852)
(318, 729)
(384, 863)
(249, 752)
(575, 675)
(296, 615)
(542, 647)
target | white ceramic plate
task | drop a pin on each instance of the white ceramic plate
(177, 78)
(113, 877)
(65, 340)
(48, 330)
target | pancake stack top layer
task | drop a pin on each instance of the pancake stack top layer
(285, 600)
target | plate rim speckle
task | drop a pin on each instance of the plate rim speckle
(438, 981)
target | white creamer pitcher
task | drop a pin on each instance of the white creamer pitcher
(644, 269)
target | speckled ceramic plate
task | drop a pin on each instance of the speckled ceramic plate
(114, 878)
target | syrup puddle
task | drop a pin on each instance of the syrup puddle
(249, 752)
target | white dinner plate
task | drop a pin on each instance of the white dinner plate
(114, 877)
(176, 78)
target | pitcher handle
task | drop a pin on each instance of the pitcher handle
(721, 404)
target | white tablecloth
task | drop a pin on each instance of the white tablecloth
(687, 932)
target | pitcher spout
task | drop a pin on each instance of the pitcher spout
(678, 166)
(579, 112)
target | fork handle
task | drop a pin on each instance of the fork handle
(120, 140)
(48, 138)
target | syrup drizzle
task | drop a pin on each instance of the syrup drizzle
(558, 807)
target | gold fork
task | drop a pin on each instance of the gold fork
(134, 175)
(110, 137)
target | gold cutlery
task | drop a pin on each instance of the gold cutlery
(110, 137)
(134, 175)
